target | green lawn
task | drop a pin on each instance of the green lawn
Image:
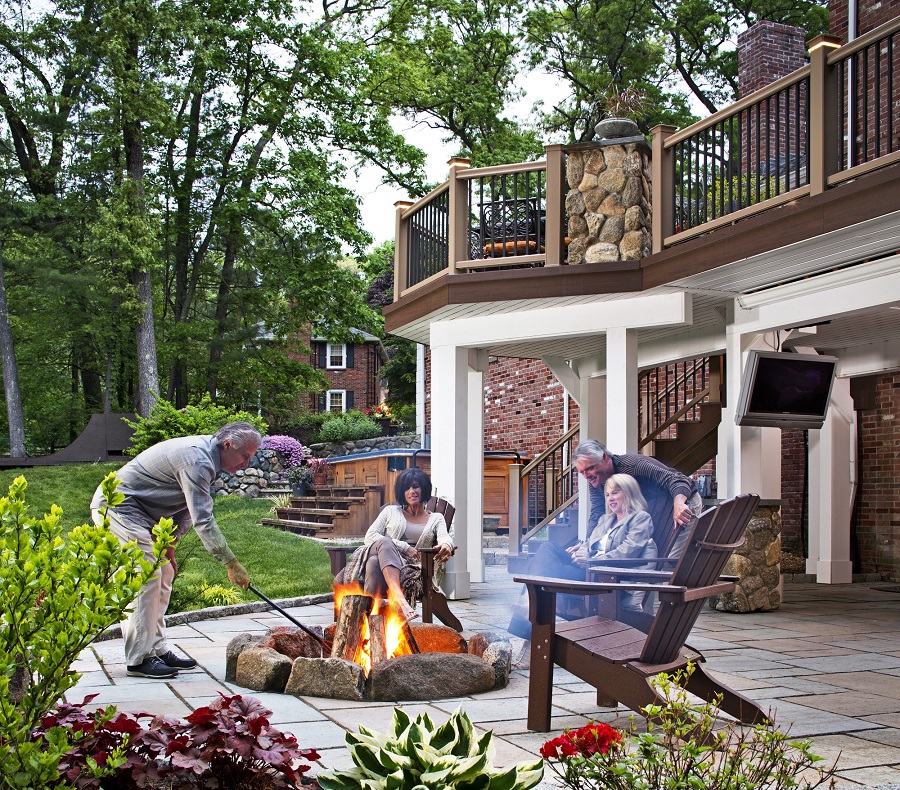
(280, 565)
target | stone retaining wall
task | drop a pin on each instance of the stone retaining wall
(264, 471)
(408, 441)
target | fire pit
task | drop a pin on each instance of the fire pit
(370, 653)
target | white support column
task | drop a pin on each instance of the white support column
(831, 458)
(478, 362)
(592, 425)
(621, 390)
(749, 460)
(421, 424)
(449, 434)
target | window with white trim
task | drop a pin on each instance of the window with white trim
(336, 356)
(336, 401)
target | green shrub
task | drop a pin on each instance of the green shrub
(57, 592)
(219, 595)
(167, 422)
(406, 414)
(305, 427)
(688, 746)
(416, 754)
(350, 426)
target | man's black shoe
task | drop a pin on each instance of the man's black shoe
(152, 667)
(171, 660)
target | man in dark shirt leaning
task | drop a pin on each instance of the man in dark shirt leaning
(670, 495)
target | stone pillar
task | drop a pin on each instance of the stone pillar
(756, 564)
(608, 203)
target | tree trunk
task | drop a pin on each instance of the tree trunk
(222, 303)
(145, 336)
(10, 376)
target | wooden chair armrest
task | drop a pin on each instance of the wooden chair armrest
(338, 556)
(631, 562)
(619, 573)
(546, 584)
(697, 593)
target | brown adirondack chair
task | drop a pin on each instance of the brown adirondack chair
(434, 602)
(620, 660)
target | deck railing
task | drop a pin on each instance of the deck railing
(868, 91)
(830, 121)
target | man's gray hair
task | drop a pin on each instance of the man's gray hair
(238, 433)
(590, 449)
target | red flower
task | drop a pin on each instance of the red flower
(587, 740)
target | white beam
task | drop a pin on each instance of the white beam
(870, 359)
(577, 320)
(820, 298)
(569, 379)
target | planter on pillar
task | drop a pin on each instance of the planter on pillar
(756, 564)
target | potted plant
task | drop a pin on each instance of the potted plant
(383, 415)
(319, 469)
(299, 478)
(619, 106)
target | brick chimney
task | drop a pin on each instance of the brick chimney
(767, 52)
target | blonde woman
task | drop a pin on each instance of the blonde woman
(624, 531)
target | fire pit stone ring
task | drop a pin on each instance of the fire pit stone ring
(448, 665)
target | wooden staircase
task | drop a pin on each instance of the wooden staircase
(680, 411)
(331, 512)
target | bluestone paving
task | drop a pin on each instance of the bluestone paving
(828, 661)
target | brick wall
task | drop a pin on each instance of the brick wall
(361, 379)
(523, 405)
(793, 479)
(869, 16)
(877, 515)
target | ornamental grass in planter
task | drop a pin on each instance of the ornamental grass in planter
(688, 746)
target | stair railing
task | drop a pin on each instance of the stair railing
(670, 394)
(542, 489)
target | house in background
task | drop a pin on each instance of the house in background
(774, 223)
(353, 372)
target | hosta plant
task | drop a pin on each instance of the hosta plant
(415, 755)
(686, 745)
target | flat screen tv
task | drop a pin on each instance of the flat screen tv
(784, 390)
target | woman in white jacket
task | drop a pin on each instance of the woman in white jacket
(387, 564)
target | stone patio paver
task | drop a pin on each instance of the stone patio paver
(828, 661)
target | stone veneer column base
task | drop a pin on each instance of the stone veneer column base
(757, 566)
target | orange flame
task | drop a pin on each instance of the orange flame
(395, 643)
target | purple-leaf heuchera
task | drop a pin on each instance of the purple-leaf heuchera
(227, 744)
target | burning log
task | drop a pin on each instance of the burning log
(406, 642)
(377, 639)
(350, 633)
